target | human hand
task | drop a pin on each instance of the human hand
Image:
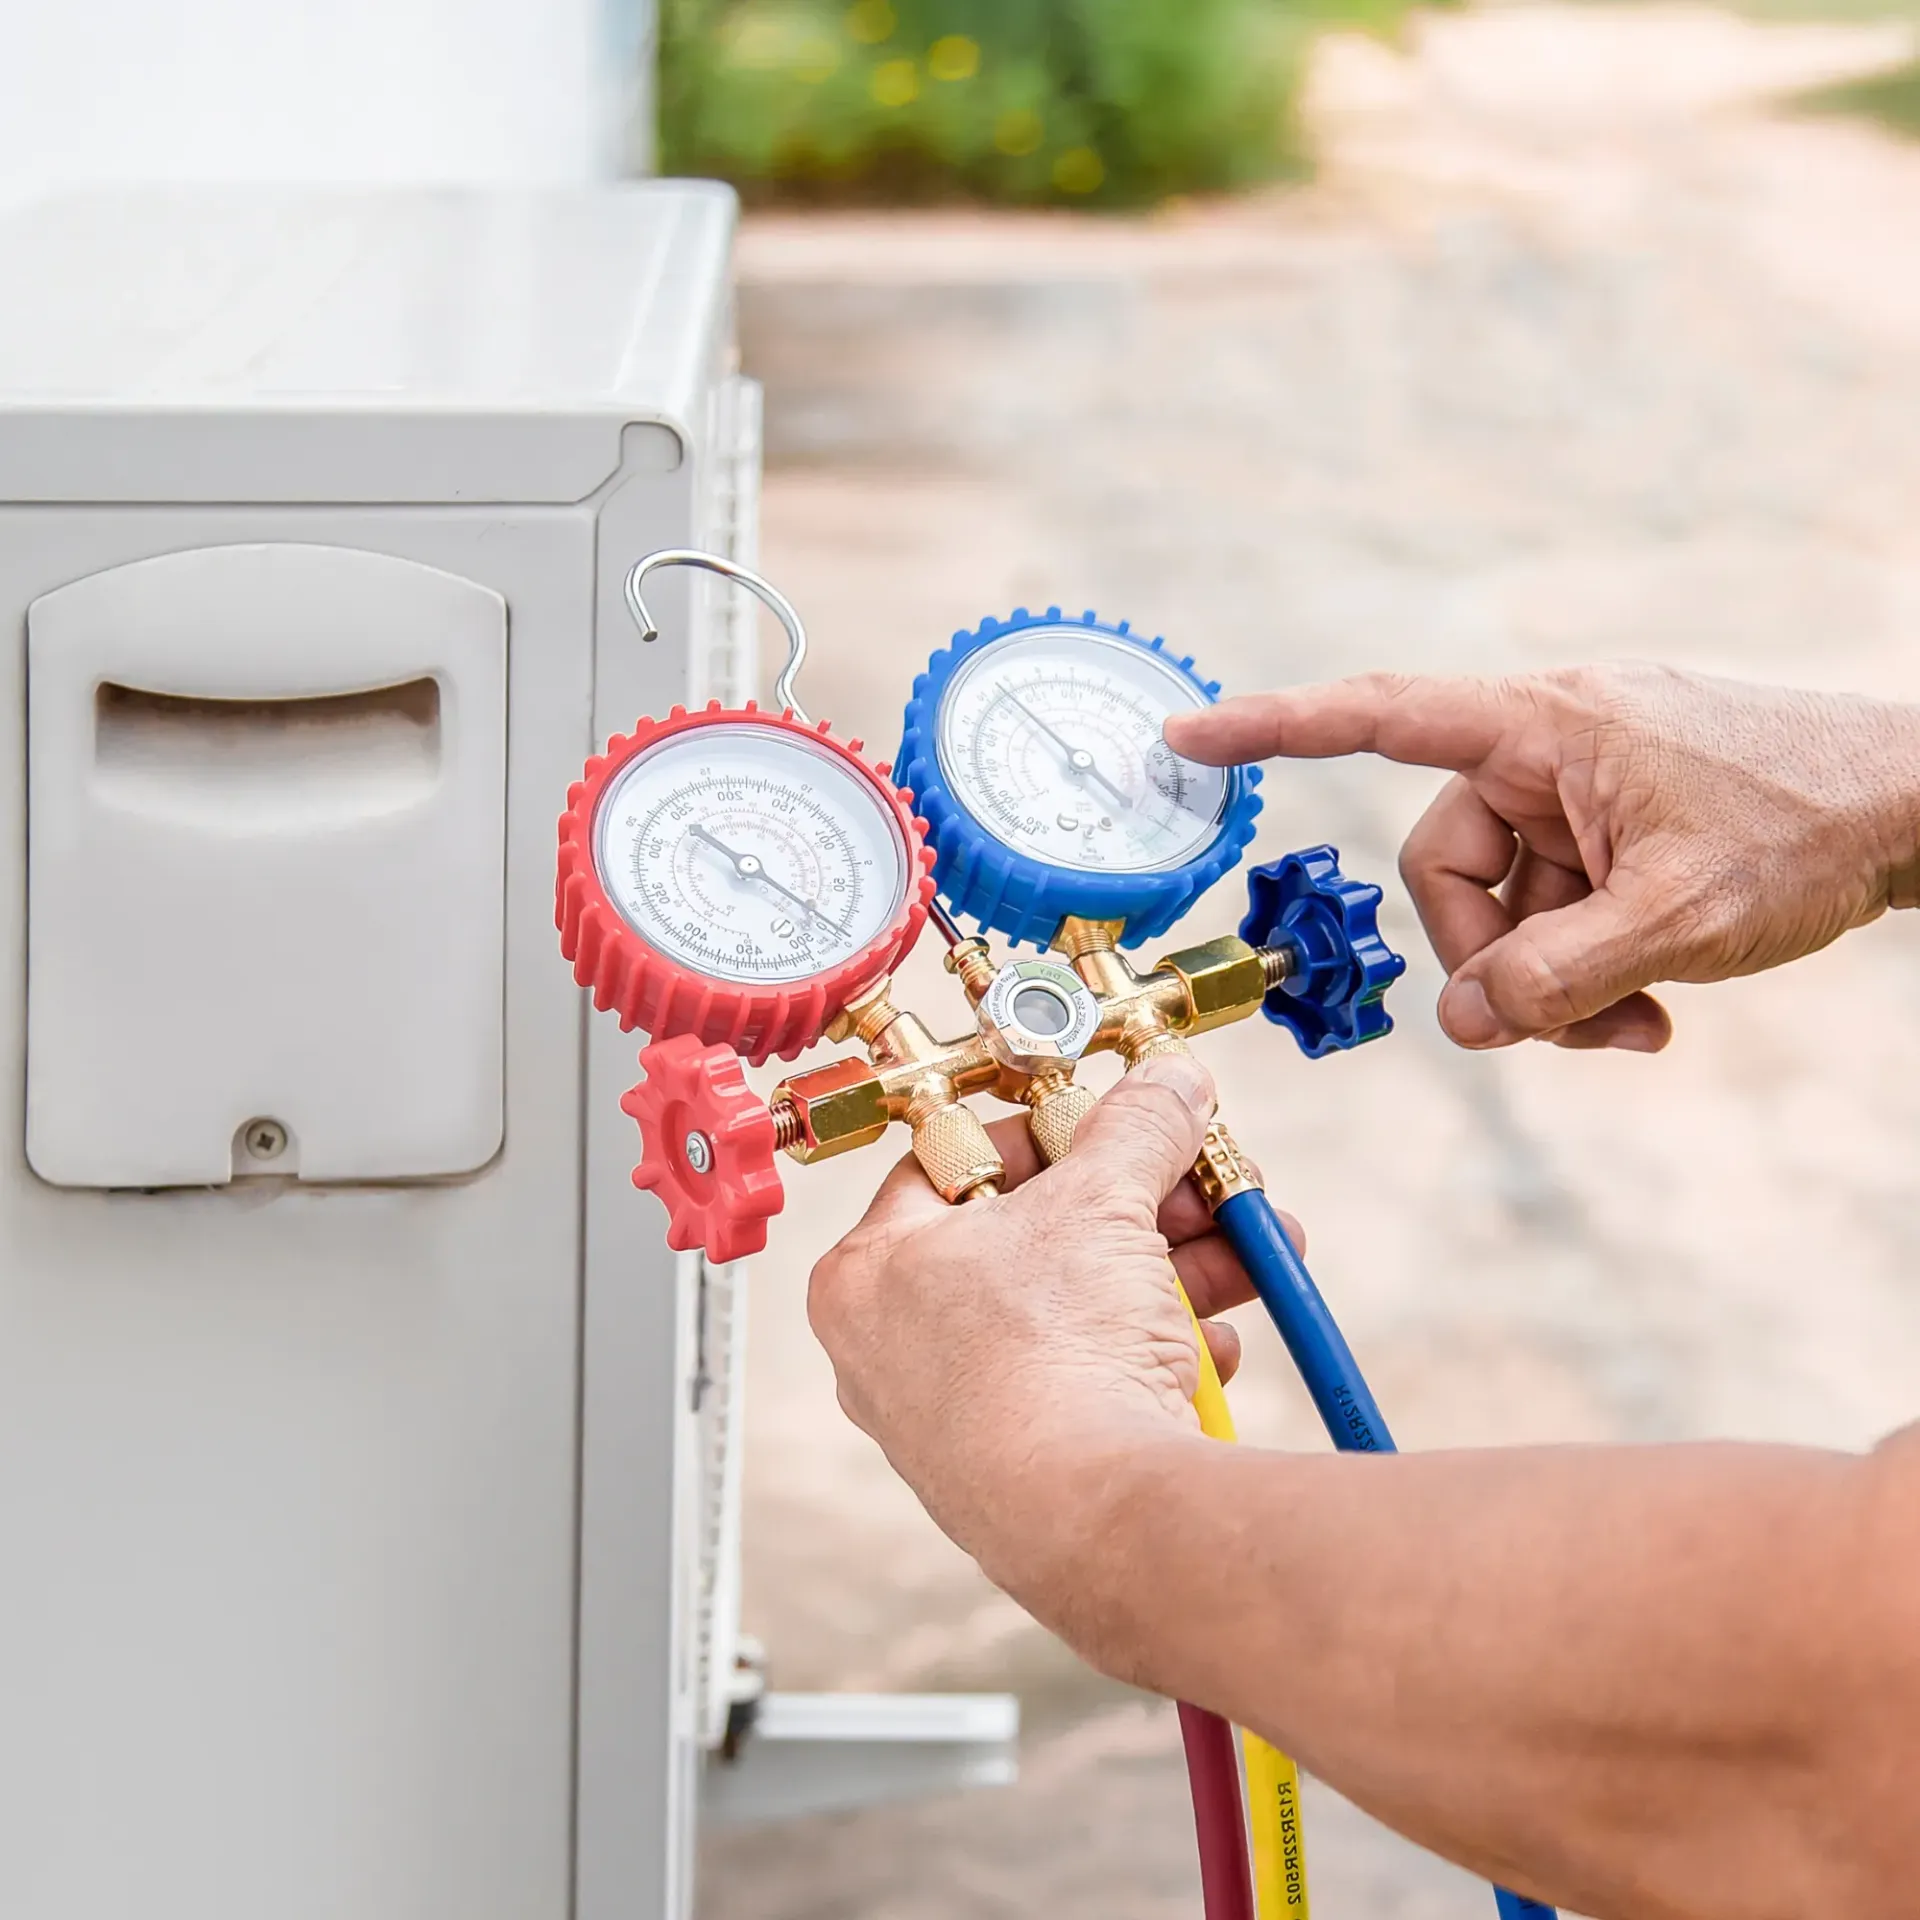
(1004, 1351)
(1608, 828)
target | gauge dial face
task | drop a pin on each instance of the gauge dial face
(1050, 738)
(750, 853)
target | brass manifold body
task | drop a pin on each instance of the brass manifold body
(912, 1077)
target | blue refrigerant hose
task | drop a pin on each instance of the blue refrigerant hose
(1340, 1395)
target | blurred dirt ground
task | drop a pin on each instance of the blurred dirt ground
(1580, 346)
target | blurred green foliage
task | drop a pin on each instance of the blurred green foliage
(1893, 99)
(1105, 102)
(1890, 99)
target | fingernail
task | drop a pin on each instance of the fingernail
(1182, 1075)
(1467, 1015)
(1637, 1040)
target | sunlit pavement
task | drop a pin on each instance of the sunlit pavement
(1578, 347)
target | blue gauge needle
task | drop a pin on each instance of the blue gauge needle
(1078, 758)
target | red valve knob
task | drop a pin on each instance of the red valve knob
(706, 1148)
(663, 995)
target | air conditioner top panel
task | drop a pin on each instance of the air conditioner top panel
(287, 345)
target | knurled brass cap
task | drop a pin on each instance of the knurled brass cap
(955, 1151)
(1137, 1048)
(1055, 1116)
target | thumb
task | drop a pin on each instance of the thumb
(1553, 971)
(1140, 1140)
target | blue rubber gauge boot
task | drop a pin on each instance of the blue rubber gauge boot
(1335, 997)
(1032, 748)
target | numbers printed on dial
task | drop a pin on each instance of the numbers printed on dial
(749, 853)
(1050, 738)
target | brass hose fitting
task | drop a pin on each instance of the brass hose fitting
(908, 1076)
(1222, 1170)
(971, 963)
(831, 1110)
(1222, 980)
(1092, 947)
(1076, 937)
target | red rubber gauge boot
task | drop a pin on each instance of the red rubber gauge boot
(737, 876)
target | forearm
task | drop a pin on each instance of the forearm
(1681, 1682)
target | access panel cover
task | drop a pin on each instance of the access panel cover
(266, 801)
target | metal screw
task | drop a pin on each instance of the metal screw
(699, 1152)
(265, 1139)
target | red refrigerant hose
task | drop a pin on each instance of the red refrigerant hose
(1219, 1814)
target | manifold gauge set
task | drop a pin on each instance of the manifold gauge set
(741, 883)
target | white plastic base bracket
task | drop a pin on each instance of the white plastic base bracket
(829, 1752)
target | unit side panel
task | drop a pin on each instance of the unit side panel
(640, 1451)
(288, 1477)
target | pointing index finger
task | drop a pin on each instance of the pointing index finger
(1421, 720)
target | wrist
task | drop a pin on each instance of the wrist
(1084, 1537)
(1897, 809)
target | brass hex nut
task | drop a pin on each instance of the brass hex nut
(840, 1106)
(1225, 980)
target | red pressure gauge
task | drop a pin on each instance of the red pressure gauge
(730, 880)
(738, 876)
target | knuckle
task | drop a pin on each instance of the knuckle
(1599, 686)
(1705, 922)
(1417, 850)
(1146, 1106)
(1624, 699)
(820, 1298)
(1422, 849)
(1387, 686)
(1090, 1196)
(1534, 987)
(852, 1405)
(1516, 701)
(828, 1287)
(1165, 1346)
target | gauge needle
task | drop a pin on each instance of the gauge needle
(749, 866)
(1078, 758)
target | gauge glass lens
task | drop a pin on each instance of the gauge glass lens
(750, 853)
(1050, 738)
(1043, 1011)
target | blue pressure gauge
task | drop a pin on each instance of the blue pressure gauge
(1033, 749)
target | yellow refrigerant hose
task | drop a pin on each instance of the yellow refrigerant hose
(1273, 1781)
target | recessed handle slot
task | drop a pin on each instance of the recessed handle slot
(267, 764)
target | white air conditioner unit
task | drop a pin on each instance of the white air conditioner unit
(369, 1471)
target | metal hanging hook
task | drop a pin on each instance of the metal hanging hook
(769, 595)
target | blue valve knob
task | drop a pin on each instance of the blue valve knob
(1334, 997)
